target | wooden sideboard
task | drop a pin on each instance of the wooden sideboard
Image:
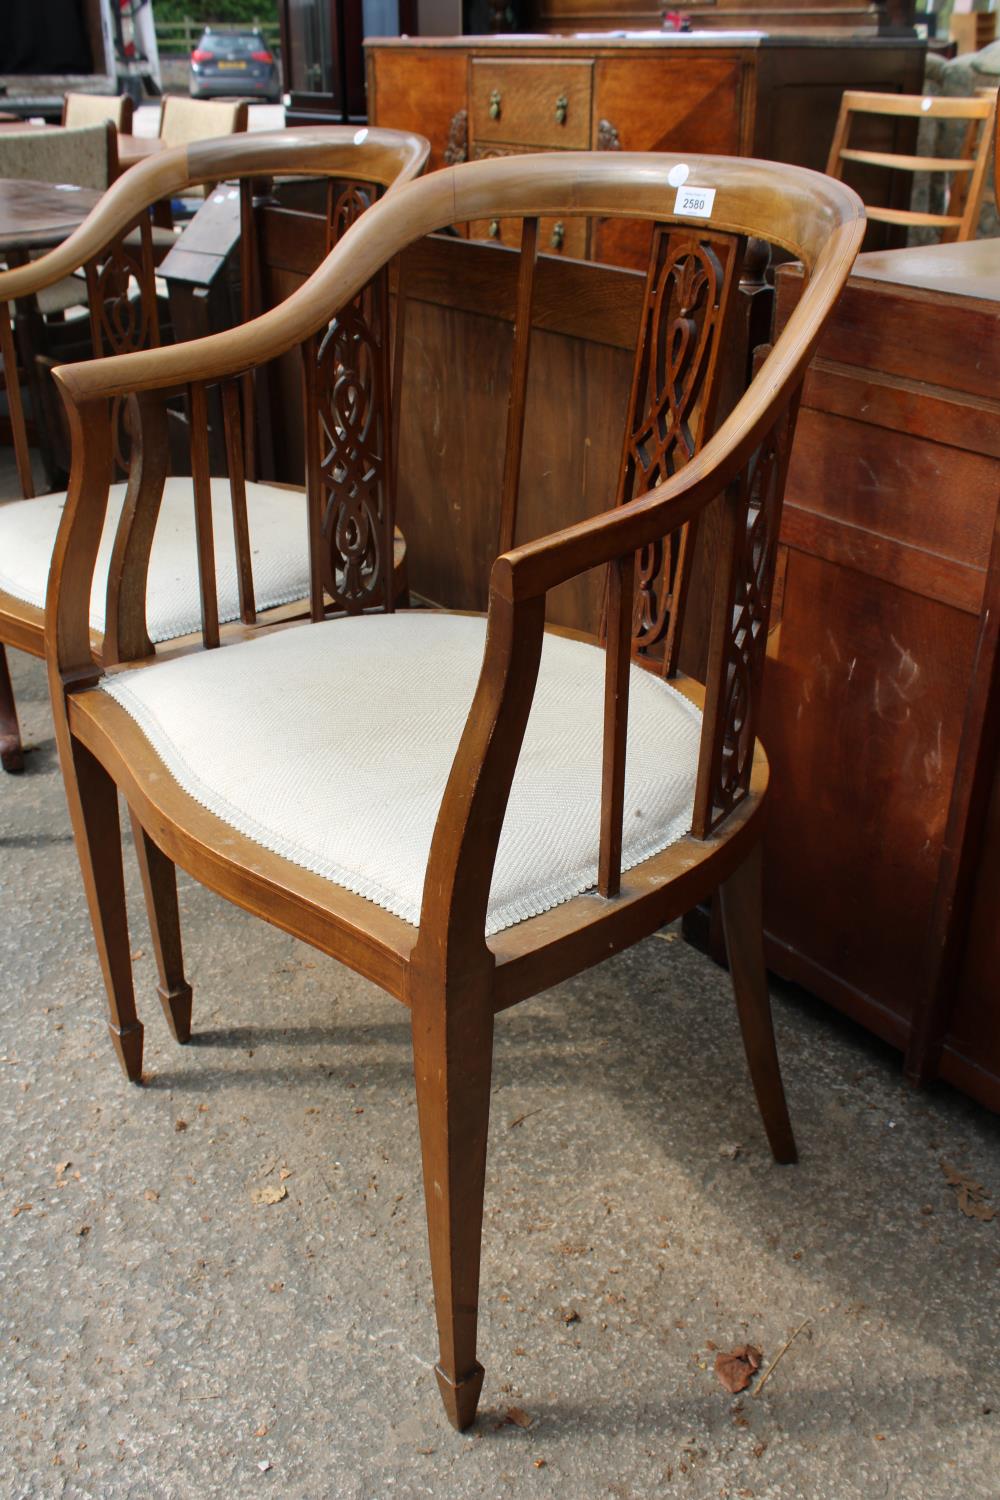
(751, 95)
(882, 695)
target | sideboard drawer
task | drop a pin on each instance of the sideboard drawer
(566, 236)
(531, 102)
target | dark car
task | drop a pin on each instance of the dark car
(234, 62)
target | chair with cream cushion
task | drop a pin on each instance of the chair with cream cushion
(121, 321)
(90, 109)
(464, 809)
(86, 155)
(183, 121)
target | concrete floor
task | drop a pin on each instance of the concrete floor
(165, 1336)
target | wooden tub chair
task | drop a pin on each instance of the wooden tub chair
(117, 259)
(466, 810)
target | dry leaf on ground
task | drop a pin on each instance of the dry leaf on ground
(970, 1196)
(268, 1194)
(519, 1418)
(736, 1369)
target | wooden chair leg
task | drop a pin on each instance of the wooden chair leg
(93, 805)
(11, 753)
(453, 1059)
(742, 918)
(159, 884)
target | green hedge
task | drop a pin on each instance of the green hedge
(205, 11)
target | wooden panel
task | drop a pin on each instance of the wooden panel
(598, 303)
(862, 712)
(874, 329)
(422, 98)
(906, 488)
(527, 94)
(974, 1032)
(659, 103)
(577, 394)
(664, 104)
(916, 407)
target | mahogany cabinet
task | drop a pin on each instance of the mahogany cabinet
(882, 695)
(769, 96)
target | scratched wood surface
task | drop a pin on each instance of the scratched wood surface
(882, 695)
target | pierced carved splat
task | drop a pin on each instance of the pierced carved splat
(690, 285)
(457, 149)
(121, 293)
(739, 637)
(345, 202)
(348, 468)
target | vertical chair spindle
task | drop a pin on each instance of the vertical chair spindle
(203, 514)
(238, 498)
(249, 307)
(618, 658)
(314, 481)
(518, 385)
(15, 408)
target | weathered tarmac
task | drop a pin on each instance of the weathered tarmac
(165, 1336)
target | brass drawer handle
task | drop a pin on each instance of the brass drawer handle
(495, 105)
(562, 109)
(558, 235)
(494, 229)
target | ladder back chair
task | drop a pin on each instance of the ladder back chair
(967, 171)
(464, 809)
(114, 248)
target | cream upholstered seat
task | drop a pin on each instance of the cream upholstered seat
(332, 746)
(278, 539)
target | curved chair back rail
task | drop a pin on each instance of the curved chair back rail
(813, 217)
(387, 158)
(793, 208)
(435, 955)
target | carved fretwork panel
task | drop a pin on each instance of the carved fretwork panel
(121, 293)
(353, 514)
(345, 202)
(690, 289)
(457, 149)
(739, 644)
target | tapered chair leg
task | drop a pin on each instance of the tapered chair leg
(453, 1059)
(742, 919)
(11, 753)
(93, 805)
(159, 884)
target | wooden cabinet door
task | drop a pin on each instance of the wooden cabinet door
(691, 101)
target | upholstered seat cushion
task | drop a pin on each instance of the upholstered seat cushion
(331, 745)
(278, 541)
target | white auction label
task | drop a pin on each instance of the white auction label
(695, 202)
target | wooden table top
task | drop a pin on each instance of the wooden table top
(36, 214)
(968, 269)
